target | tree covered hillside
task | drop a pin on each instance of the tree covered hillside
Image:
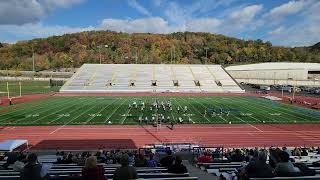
(72, 50)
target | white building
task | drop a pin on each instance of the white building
(307, 74)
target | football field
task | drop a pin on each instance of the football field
(107, 110)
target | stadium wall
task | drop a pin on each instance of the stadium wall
(311, 83)
(297, 74)
(302, 74)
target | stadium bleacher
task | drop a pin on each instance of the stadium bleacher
(104, 78)
(220, 166)
(231, 169)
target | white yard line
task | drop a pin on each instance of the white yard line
(71, 120)
(46, 110)
(102, 109)
(65, 105)
(23, 110)
(245, 107)
(264, 107)
(246, 121)
(207, 108)
(91, 102)
(240, 118)
(114, 111)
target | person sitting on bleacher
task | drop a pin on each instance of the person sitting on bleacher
(285, 167)
(34, 170)
(250, 155)
(93, 171)
(304, 152)
(131, 159)
(140, 161)
(205, 158)
(287, 150)
(151, 162)
(274, 157)
(101, 158)
(296, 152)
(11, 158)
(110, 158)
(167, 160)
(258, 168)
(125, 172)
(237, 156)
(19, 164)
(177, 167)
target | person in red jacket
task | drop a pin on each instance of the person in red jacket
(92, 171)
(205, 158)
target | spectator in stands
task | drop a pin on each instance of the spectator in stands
(237, 156)
(296, 152)
(287, 150)
(67, 159)
(140, 161)
(110, 158)
(125, 172)
(19, 164)
(205, 158)
(250, 155)
(34, 170)
(92, 171)
(274, 157)
(167, 160)
(304, 152)
(258, 168)
(285, 167)
(216, 153)
(151, 162)
(11, 158)
(131, 159)
(177, 167)
(101, 158)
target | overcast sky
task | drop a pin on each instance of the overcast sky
(283, 22)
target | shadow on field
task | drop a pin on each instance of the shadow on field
(89, 144)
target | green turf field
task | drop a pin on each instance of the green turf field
(27, 87)
(101, 110)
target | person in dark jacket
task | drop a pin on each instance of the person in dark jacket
(285, 167)
(140, 161)
(237, 156)
(259, 168)
(125, 172)
(177, 167)
(33, 170)
(168, 160)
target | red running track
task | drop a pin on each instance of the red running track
(95, 137)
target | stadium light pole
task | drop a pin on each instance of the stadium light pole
(171, 55)
(136, 56)
(33, 69)
(99, 47)
(100, 56)
(206, 48)
(174, 54)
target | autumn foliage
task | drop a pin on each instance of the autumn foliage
(72, 50)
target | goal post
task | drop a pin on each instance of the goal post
(8, 92)
(20, 89)
(12, 88)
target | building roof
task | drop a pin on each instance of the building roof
(275, 66)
